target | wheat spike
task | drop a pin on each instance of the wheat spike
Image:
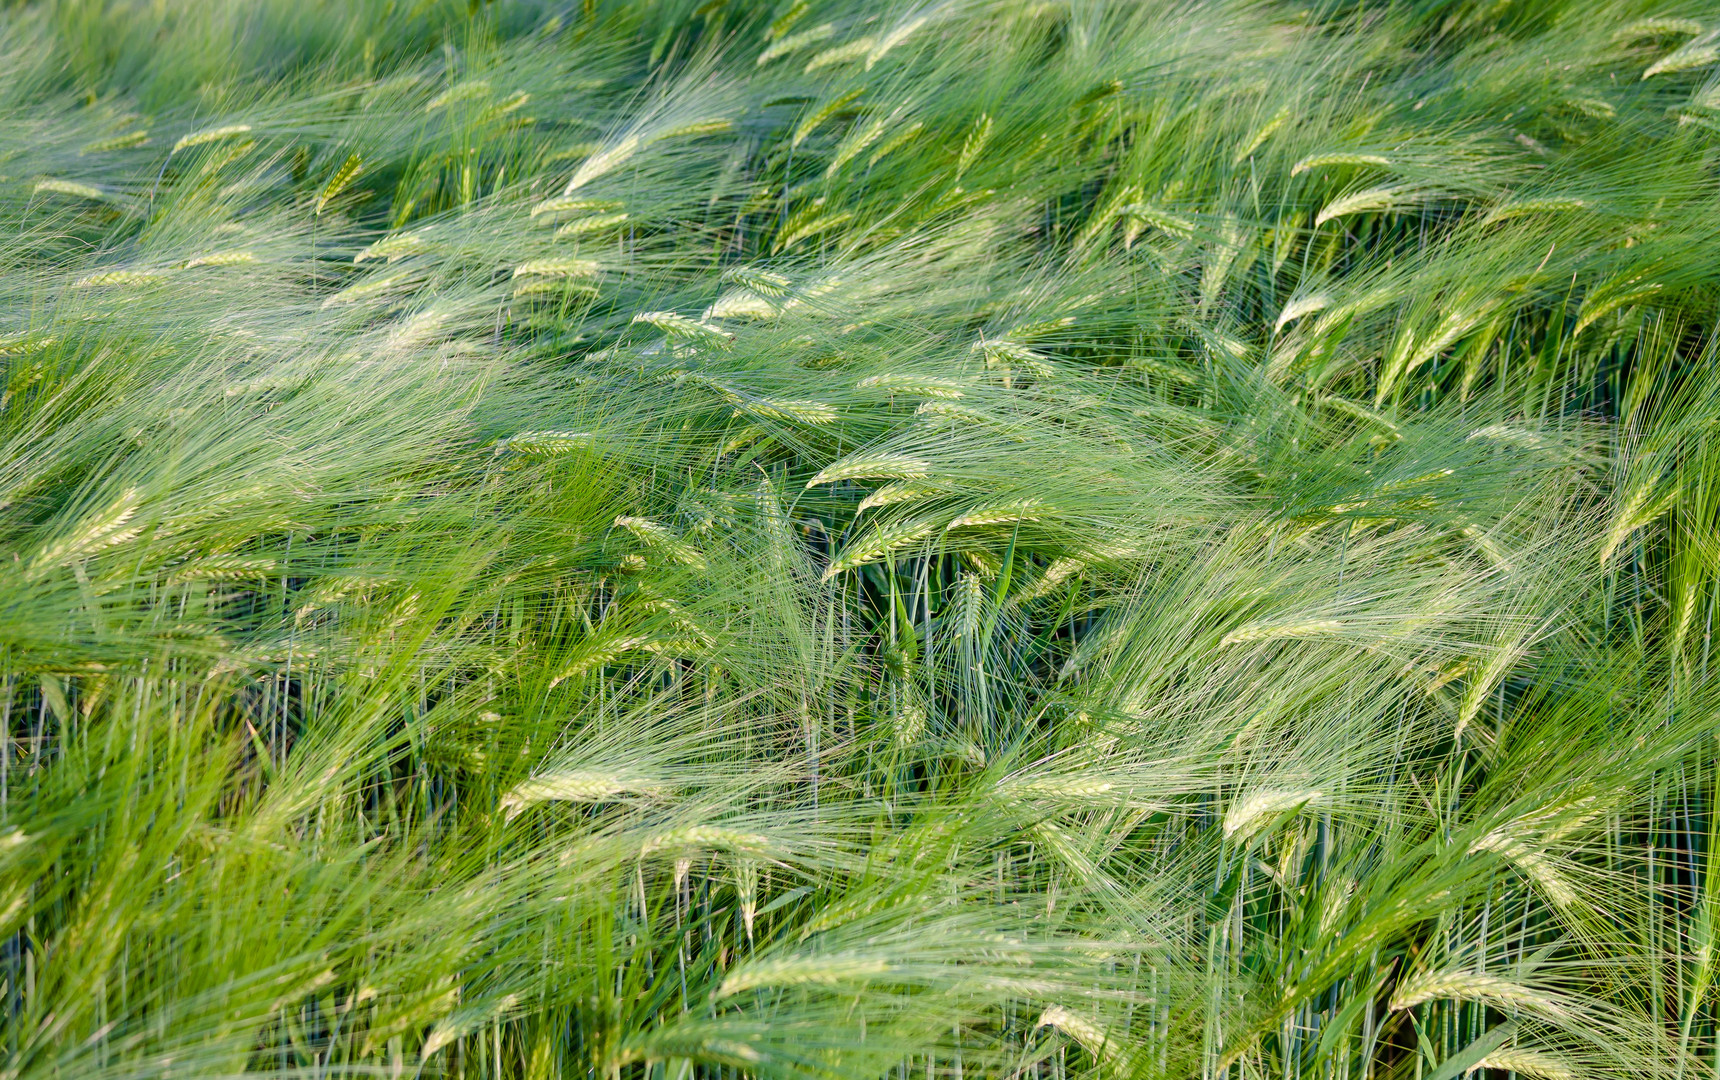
(895, 142)
(783, 23)
(975, 143)
(594, 223)
(741, 304)
(558, 268)
(1361, 202)
(706, 837)
(855, 143)
(1281, 631)
(343, 176)
(815, 119)
(942, 411)
(1532, 1063)
(714, 126)
(1315, 161)
(95, 533)
(1300, 306)
(873, 467)
(795, 42)
(682, 328)
(599, 654)
(222, 258)
(761, 282)
(801, 971)
(602, 162)
(1247, 813)
(563, 205)
(574, 787)
(1163, 220)
(879, 543)
(1261, 134)
(208, 135)
(1000, 514)
(367, 289)
(117, 142)
(1694, 55)
(915, 385)
(545, 443)
(1607, 298)
(841, 54)
(1091, 1036)
(1656, 27)
(894, 38)
(394, 247)
(1475, 986)
(1525, 207)
(1535, 865)
(119, 277)
(659, 536)
(71, 187)
(900, 492)
(800, 412)
(464, 91)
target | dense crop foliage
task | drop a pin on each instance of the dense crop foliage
(671, 539)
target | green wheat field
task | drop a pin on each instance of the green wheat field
(963, 540)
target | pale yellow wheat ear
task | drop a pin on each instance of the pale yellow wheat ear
(1306, 628)
(817, 970)
(1537, 1064)
(682, 328)
(1300, 306)
(221, 258)
(1261, 134)
(880, 542)
(1527, 207)
(1249, 813)
(557, 268)
(545, 443)
(873, 467)
(1091, 1037)
(795, 42)
(1316, 161)
(117, 142)
(1611, 295)
(70, 187)
(974, 145)
(1464, 985)
(575, 786)
(913, 385)
(1699, 53)
(566, 205)
(900, 492)
(845, 53)
(1369, 200)
(1637, 510)
(209, 135)
(96, 532)
(663, 539)
(603, 161)
(901, 33)
(689, 838)
(118, 277)
(818, 116)
(592, 224)
(1657, 27)
(463, 91)
(342, 178)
